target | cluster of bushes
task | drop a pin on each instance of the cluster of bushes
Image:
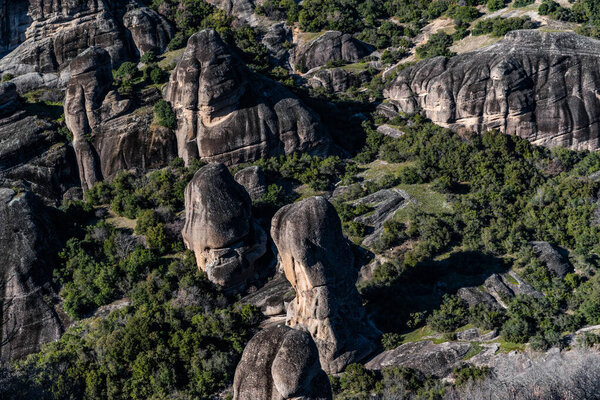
(437, 45)
(510, 194)
(129, 194)
(585, 12)
(317, 172)
(499, 26)
(178, 335)
(359, 383)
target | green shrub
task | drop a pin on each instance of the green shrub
(164, 114)
(148, 57)
(495, 5)
(390, 341)
(437, 45)
(451, 315)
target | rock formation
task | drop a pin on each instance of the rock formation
(31, 150)
(318, 262)
(27, 243)
(107, 135)
(330, 46)
(253, 179)
(540, 86)
(43, 37)
(280, 363)
(219, 227)
(554, 258)
(226, 113)
(336, 80)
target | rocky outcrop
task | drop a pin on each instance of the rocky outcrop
(27, 244)
(41, 38)
(540, 86)
(110, 133)
(318, 262)
(226, 113)
(149, 30)
(280, 363)
(219, 228)
(31, 151)
(429, 358)
(277, 39)
(554, 258)
(254, 180)
(335, 80)
(385, 203)
(330, 46)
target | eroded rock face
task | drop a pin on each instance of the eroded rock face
(27, 242)
(280, 363)
(554, 258)
(219, 227)
(226, 113)
(336, 80)
(330, 46)
(254, 180)
(109, 133)
(31, 150)
(540, 86)
(318, 262)
(42, 37)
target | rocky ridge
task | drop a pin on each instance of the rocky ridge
(541, 86)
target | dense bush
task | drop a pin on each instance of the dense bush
(499, 26)
(437, 45)
(164, 114)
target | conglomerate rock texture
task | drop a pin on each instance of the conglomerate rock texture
(541, 86)
(226, 113)
(219, 227)
(42, 37)
(27, 243)
(110, 133)
(280, 363)
(318, 262)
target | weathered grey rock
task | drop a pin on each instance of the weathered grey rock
(253, 179)
(429, 358)
(336, 80)
(271, 296)
(276, 39)
(149, 30)
(385, 203)
(280, 363)
(219, 227)
(555, 258)
(42, 37)
(241, 9)
(474, 295)
(27, 244)
(90, 82)
(496, 287)
(390, 131)
(330, 46)
(226, 113)
(109, 133)
(318, 262)
(541, 86)
(31, 151)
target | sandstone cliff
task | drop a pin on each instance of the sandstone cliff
(318, 262)
(42, 37)
(226, 113)
(27, 244)
(280, 363)
(540, 86)
(108, 135)
(330, 46)
(219, 227)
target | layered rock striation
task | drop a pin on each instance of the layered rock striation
(540, 86)
(281, 363)
(219, 228)
(27, 244)
(318, 262)
(226, 113)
